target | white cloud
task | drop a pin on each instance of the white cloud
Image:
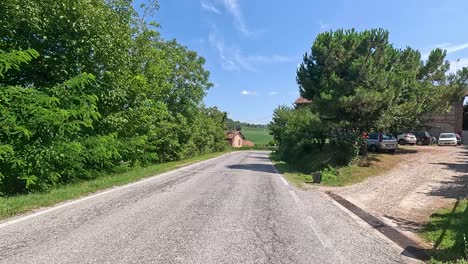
(450, 48)
(210, 7)
(455, 48)
(272, 93)
(268, 59)
(233, 7)
(323, 26)
(441, 45)
(245, 92)
(458, 64)
(233, 59)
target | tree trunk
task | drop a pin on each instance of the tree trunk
(363, 149)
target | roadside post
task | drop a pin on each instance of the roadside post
(317, 176)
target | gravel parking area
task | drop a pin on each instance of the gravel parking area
(427, 178)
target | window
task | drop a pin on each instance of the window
(239, 142)
(447, 135)
(373, 136)
(387, 137)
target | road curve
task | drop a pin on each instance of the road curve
(233, 209)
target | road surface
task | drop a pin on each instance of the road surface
(232, 209)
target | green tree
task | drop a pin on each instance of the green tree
(360, 81)
(106, 91)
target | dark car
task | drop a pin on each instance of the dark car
(423, 137)
(458, 139)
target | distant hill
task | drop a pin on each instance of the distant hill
(237, 125)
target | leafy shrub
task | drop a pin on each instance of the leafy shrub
(329, 174)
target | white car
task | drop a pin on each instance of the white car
(447, 139)
(406, 138)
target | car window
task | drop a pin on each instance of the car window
(447, 135)
(387, 137)
(373, 136)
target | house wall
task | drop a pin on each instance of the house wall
(237, 141)
(451, 122)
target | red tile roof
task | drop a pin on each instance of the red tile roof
(231, 135)
(302, 100)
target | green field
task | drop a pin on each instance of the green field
(259, 136)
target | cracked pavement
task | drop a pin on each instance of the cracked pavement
(232, 209)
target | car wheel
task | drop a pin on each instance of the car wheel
(373, 148)
(402, 142)
(391, 150)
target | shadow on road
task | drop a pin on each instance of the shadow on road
(457, 186)
(253, 167)
(405, 224)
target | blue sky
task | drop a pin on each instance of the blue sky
(252, 47)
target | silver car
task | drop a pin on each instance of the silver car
(447, 139)
(382, 141)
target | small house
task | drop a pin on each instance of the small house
(235, 139)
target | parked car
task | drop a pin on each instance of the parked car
(422, 137)
(458, 139)
(405, 138)
(447, 139)
(382, 141)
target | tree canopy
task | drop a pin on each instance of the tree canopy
(359, 82)
(89, 86)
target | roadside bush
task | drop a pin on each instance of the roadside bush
(329, 175)
(347, 146)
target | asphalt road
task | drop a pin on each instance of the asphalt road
(233, 209)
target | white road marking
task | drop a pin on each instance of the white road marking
(321, 236)
(157, 176)
(282, 179)
(294, 195)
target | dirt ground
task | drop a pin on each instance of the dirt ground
(427, 178)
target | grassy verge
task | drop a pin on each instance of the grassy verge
(290, 173)
(358, 170)
(364, 167)
(447, 229)
(10, 206)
